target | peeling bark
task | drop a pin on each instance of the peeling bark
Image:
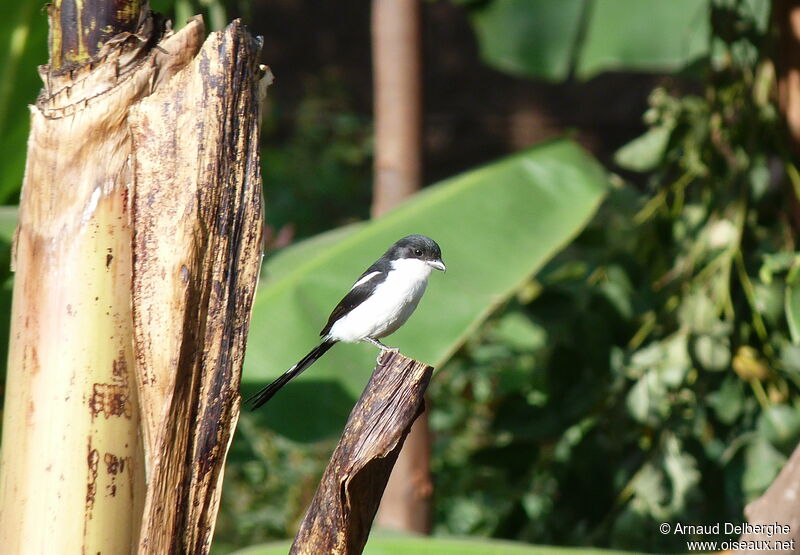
(197, 249)
(136, 258)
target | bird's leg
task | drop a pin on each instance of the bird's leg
(381, 346)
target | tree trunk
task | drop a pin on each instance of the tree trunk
(787, 20)
(398, 106)
(135, 268)
(396, 63)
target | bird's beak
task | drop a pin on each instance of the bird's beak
(438, 264)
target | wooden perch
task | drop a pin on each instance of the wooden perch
(341, 513)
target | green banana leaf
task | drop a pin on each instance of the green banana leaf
(9, 215)
(528, 39)
(550, 39)
(496, 226)
(23, 47)
(442, 546)
(8, 222)
(643, 35)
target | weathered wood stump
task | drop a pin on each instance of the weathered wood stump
(341, 512)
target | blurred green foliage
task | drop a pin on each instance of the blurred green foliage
(8, 222)
(269, 480)
(317, 160)
(650, 373)
(496, 225)
(23, 47)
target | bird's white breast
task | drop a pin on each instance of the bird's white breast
(389, 306)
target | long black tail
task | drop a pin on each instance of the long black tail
(266, 394)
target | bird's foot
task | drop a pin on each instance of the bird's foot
(382, 347)
(385, 352)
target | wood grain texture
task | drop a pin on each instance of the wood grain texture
(197, 213)
(340, 515)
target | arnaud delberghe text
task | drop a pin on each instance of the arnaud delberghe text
(729, 529)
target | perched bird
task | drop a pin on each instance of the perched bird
(380, 301)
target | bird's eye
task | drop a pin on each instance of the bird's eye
(418, 252)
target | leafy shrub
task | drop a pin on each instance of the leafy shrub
(650, 373)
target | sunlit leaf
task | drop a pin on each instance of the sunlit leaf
(548, 39)
(647, 399)
(697, 313)
(643, 35)
(780, 425)
(520, 332)
(681, 468)
(762, 464)
(527, 38)
(770, 300)
(644, 152)
(712, 352)
(792, 309)
(728, 400)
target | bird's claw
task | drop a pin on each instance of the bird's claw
(386, 350)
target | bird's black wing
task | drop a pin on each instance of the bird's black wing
(359, 294)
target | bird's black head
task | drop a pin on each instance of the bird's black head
(419, 247)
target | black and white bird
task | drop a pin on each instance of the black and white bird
(380, 301)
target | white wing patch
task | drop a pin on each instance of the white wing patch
(364, 279)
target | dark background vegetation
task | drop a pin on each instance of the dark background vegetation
(649, 372)
(321, 106)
